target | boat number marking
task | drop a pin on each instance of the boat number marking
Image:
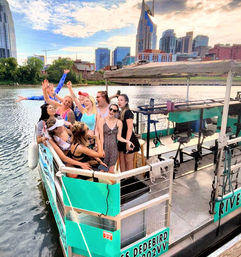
(107, 235)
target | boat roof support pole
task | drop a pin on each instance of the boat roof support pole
(222, 141)
(188, 83)
(106, 85)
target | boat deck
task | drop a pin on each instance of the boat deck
(190, 203)
(190, 198)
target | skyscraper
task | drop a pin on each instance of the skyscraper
(168, 41)
(120, 53)
(200, 40)
(7, 33)
(146, 31)
(200, 45)
(184, 44)
(102, 58)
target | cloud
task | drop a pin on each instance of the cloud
(205, 17)
(220, 20)
(167, 6)
(77, 18)
(37, 12)
(235, 4)
(79, 52)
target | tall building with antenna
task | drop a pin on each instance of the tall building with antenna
(146, 31)
(7, 32)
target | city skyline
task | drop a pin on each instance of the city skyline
(77, 28)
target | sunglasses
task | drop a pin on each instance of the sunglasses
(114, 110)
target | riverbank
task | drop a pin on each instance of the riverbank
(201, 81)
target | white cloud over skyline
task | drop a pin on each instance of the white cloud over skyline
(78, 19)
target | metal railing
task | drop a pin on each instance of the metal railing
(145, 202)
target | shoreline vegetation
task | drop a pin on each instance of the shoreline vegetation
(32, 73)
(170, 80)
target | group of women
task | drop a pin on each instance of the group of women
(89, 136)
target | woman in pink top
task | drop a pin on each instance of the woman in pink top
(64, 108)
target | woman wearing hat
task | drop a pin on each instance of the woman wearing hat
(61, 135)
(48, 112)
(77, 112)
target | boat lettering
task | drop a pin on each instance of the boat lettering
(233, 203)
(152, 247)
(230, 203)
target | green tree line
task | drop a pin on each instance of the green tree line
(31, 72)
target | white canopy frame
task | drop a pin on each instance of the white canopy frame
(188, 69)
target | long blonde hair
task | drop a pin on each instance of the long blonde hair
(79, 133)
(92, 99)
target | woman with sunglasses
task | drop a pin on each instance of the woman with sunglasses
(126, 151)
(103, 102)
(112, 128)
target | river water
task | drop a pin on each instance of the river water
(27, 226)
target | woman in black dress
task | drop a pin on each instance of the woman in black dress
(126, 151)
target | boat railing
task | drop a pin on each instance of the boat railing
(137, 202)
(232, 146)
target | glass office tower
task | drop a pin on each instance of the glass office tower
(7, 33)
(146, 31)
(102, 58)
(119, 54)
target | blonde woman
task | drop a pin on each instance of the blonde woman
(89, 112)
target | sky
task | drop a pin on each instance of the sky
(75, 28)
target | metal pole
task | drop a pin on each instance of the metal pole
(148, 136)
(188, 83)
(106, 86)
(222, 140)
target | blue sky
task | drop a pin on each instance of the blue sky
(76, 28)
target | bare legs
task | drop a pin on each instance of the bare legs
(126, 161)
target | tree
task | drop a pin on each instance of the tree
(8, 69)
(35, 67)
(30, 72)
(55, 70)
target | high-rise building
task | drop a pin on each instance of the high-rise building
(168, 41)
(146, 31)
(102, 58)
(200, 45)
(7, 33)
(119, 54)
(200, 40)
(187, 43)
(179, 45)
